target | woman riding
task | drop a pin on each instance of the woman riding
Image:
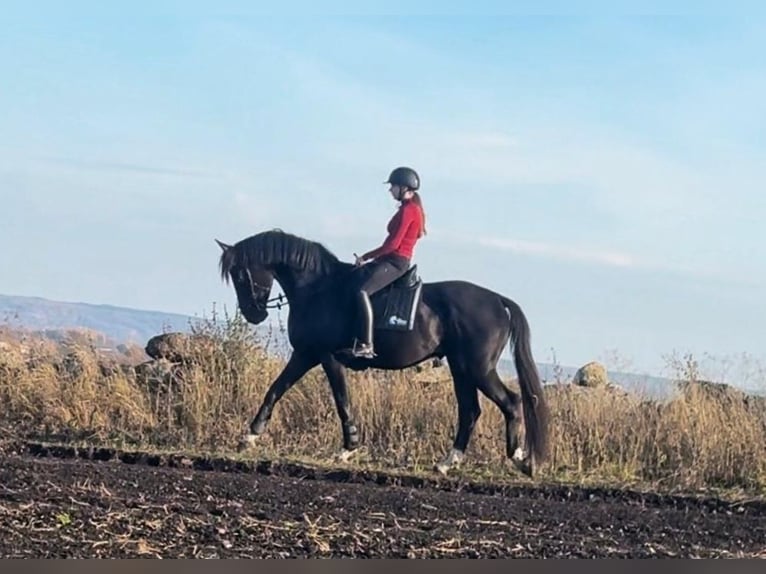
(391, 260)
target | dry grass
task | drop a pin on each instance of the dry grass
(703, 438)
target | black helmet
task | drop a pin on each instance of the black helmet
(404, 177)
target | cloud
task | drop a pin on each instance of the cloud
(119, 167)
(550, 250)
(561, 252)
(606, 258)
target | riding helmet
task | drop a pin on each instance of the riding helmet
(404, 177)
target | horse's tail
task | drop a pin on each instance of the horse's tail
(532, 397)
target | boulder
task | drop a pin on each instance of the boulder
(177, 347)
(591, 375)
(158, 375)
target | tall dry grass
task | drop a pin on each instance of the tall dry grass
(699, 439)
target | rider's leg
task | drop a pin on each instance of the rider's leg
(384, 272)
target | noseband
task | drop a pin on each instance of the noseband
(274, 303)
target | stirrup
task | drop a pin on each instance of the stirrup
(363, 350)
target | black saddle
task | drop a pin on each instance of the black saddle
(395, 305)
(409, 280)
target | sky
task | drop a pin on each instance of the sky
(605, 170)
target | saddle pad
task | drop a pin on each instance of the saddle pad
(399, 307)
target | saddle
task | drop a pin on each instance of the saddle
(395, 305)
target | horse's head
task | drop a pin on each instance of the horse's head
(252, 284)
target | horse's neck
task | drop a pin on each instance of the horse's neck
(299, 285)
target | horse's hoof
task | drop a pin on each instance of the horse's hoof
(525, 465)
(345, 455)
(248, 441)
(453, 459)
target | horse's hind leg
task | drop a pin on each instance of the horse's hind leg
(509, 404)
(468, 413)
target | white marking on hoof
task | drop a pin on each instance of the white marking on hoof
(454, 458)
(345, 455)
(524, 464)
(249, 441)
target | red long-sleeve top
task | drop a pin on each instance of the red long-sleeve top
(404, 230)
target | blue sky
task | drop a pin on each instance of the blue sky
(605, 170)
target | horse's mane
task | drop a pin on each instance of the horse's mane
(276, 247)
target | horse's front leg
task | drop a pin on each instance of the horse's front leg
(336, 375)
(298, 365)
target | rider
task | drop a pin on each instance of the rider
(392, 259)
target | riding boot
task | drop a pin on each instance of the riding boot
(363, 343)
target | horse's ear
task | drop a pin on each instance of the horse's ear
(223, 246)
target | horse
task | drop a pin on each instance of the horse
(465, 323)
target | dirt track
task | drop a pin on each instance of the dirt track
(54, 507)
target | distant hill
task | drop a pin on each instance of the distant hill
(120, 324)
(127, 325)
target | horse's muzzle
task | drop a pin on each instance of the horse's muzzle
(254, 315)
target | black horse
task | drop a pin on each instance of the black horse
(466, 323)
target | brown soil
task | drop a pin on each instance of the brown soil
(63, 502)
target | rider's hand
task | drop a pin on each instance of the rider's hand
(358, 261)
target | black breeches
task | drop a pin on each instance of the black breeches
(382, 272)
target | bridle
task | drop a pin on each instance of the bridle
(273, 303)
(281, 301)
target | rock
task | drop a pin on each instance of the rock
(176, 347)
(710, 389)
(11, 359)
(159, 374)
(591, 375)
(79, 363)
